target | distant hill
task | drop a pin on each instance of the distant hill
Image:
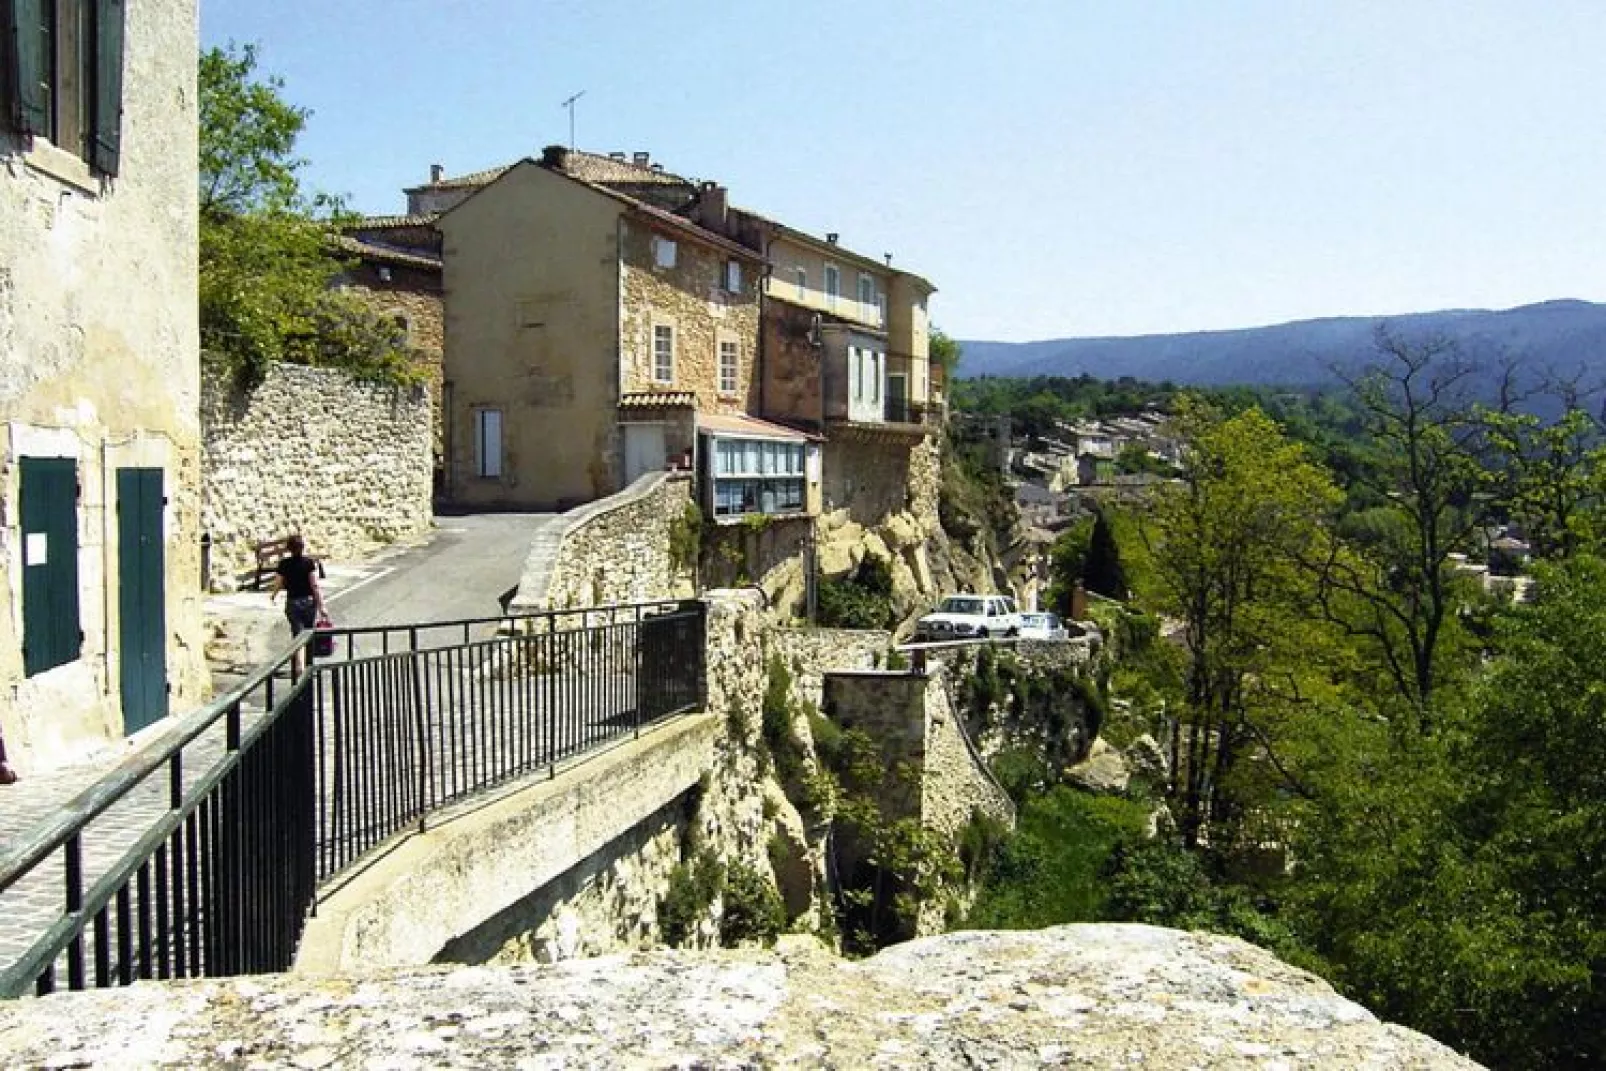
(1561, 337)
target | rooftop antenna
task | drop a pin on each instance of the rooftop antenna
(569, 104)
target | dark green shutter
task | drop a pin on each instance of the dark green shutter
(29, 66)
(141, 597)
(50, 629)
(105, 140)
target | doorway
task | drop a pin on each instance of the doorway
(141, 598)
(644, 450)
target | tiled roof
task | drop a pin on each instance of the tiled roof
(751, 427)
(606, 171)
(383, 223)
(457, 182)
(657, 399)
(385, 254)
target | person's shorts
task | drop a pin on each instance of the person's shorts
(303, 613)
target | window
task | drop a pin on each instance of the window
(757, 476)
(663, 353)
(833, 284)
(67, 82)
(866, 294)
(727, 366)
(488, 442)
(856, 359)
(875, 376)
(802, 282)
(49, 509)
(663, 252)
(733, 276)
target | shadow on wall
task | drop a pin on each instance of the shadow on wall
(606, 902)
(870, 480)
(745, 552)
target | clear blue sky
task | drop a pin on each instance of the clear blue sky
(1055, 167)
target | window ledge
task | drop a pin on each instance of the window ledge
(41, 156)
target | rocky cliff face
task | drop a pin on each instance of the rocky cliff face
(1086, 996)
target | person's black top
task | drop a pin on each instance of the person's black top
(296, 571)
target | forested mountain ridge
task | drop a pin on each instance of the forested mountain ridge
(1562, 337)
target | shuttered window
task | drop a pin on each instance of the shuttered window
(50, 629)
(62, 67)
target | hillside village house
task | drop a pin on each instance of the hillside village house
(594, 335)
(100, 635)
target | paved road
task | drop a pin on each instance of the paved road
(463, 571)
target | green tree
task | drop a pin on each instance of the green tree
(1103, 571)
(266, 248)
(944, 353)
(1225, 543)
(1549, 476)
(1389, 581)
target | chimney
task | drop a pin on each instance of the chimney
(641, 159)
(658, 168)
(713, 207)
(435, 173)
(832, 237)
(621, 157)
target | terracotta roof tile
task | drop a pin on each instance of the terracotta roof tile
(657, 399)
(385, 254)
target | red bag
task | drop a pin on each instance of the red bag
(323, 641)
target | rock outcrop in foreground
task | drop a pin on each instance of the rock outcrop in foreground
(1079, 996)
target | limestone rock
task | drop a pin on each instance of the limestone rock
(1088, 996)
(1103, 771)
(1145, 759)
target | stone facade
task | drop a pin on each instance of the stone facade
(692, 299)
(412, 297)
(310, 450)
(99, 375)
(614, 550)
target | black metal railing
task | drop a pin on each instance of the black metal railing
(201, 855)
(415, 728)
(194, 857)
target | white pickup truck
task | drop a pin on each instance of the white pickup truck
(969, 617)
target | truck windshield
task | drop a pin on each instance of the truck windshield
(960, 606)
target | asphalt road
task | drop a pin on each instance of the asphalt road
(463, 570)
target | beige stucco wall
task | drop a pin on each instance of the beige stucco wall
(99, 361)
(909, 332)
(788, 255)
(690, 297)
(532, 285)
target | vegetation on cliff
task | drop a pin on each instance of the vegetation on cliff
(1374, 766)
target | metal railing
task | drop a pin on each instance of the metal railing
(213, 868)
(218, 877)
(406, 733)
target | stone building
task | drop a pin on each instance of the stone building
(99, 377)
(395, 264)
(594, 335)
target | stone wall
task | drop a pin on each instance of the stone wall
(909, 715)
(809, 653)
(412, 296)
(614, 550)
(310, 450)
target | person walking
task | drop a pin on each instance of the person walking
(297, 577)
(8, 776)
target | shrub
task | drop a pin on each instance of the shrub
(753, 908)
(693, 886)
(862, 599)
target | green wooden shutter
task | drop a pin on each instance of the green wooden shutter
(50, 629)
(29, 48)
(106, 106)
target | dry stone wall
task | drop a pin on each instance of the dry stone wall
(614, 550)
(311, 450)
